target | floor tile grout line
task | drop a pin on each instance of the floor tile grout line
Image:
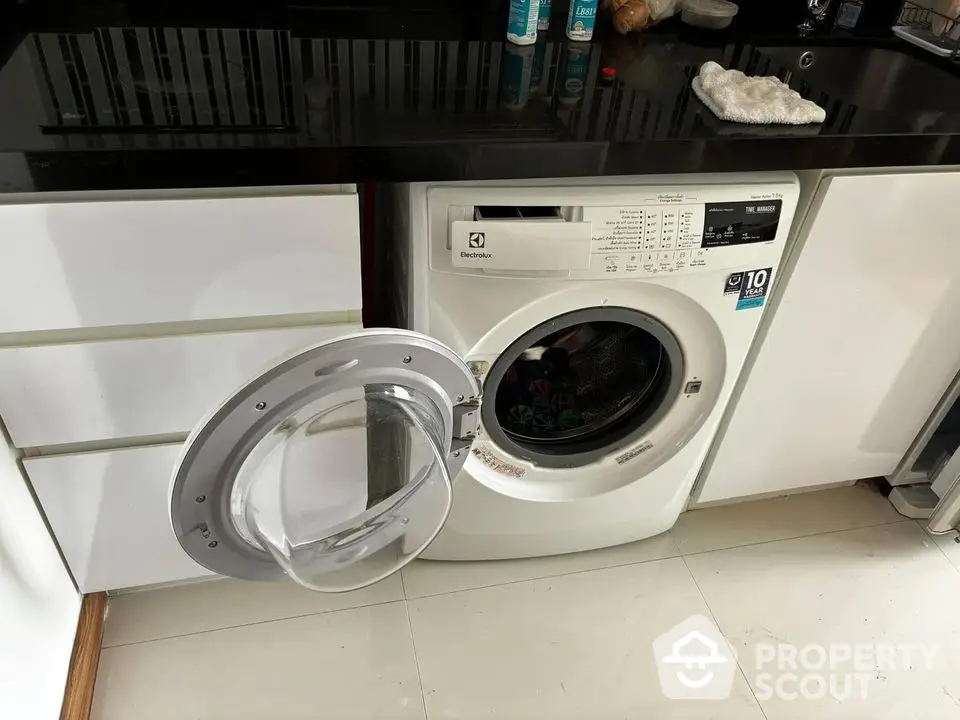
(795, 537)
(256, 622)
(679, 554)
(716, 622)
(413, 643)
(949, 559)
(676, 546)
(937, 545)
(544, 577)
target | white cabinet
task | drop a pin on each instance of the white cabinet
(126, 317)
(863, 342)
(109, 511)
(85, 264)
(57, 394)
(39, 605)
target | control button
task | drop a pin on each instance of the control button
(692, 387)
(649, 258)
(666, 257)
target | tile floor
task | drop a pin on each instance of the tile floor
(562, 637)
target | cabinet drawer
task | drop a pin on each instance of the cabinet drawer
(126, 262)
(109, 512)
(57, 394)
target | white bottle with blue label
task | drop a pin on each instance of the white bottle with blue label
(522, 23)
(580, 21)
(546, 6)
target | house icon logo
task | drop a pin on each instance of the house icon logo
(694, 661)
(476, 240)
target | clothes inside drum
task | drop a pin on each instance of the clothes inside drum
(579, 382)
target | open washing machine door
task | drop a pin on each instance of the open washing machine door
(332, 467)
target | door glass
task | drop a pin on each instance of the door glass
(348, 489)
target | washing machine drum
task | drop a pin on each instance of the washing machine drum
(333, 467)
(583, 385)
(579, 382)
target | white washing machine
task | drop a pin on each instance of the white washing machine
(570, 348)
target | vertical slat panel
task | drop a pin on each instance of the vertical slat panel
(270, 76)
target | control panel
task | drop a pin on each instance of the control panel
(657, 239)
(600, 232)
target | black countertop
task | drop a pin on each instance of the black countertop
(110, 98)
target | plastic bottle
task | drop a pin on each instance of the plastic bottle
(573, 74)
(522, 22)
(580, 21)
(536, 74)
(516, 75)
(546, 7)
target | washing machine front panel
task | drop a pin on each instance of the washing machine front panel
(608, 455)
(333, 467)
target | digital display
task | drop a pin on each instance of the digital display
(739, 223)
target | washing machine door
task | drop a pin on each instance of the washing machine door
(332, 467)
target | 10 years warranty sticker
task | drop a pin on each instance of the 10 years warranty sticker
(751, 286)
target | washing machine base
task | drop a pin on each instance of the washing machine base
(452, 544)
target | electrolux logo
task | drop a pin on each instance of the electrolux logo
(476, 241)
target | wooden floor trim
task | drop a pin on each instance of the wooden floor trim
(78, 696)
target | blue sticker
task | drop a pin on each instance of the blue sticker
(748, 303)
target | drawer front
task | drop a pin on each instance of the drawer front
(126, 262)
(109, 512)
(57, 394)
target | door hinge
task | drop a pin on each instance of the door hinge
(466, 423)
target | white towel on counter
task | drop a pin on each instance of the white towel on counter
(733, 96)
